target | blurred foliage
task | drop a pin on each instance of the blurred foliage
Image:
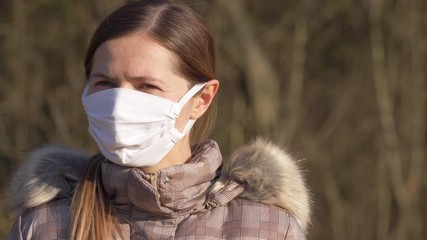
(340, 83)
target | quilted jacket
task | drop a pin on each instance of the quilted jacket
(259, 193)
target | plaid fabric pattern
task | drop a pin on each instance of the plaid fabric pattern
(171, 204)
(47, 222)
(241, 219)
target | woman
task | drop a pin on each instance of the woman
(151, 74)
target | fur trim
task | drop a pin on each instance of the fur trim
(271, 177)
(49, 172)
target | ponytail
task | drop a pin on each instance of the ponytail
(92, 212)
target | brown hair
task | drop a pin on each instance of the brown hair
(183, 32)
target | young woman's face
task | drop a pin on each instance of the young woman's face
(136, 62)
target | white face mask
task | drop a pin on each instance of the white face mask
(133, 128)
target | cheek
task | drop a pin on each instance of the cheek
(183, 118)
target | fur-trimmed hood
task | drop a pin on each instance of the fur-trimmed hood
(269, 175)
(49, 172)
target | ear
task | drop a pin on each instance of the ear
(204, 99)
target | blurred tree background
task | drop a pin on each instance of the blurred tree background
(339, 83)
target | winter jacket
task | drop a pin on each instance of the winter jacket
(259, 194)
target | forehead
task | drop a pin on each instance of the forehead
(133, 54)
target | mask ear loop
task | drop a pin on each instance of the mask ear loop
(187, 96)
(195, 89)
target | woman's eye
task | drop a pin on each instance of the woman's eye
(104, 84)
(148, 87)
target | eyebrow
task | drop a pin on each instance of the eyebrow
(100, 75)
(136, 78)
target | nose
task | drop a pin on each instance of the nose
(125, 84)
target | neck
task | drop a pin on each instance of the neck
(179, 154)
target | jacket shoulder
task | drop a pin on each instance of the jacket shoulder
(241, 218)
(274, 222)
(47, 173)
(43, 222)
(271, 176)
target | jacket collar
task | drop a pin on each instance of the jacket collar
(260, 171)
(172, 191)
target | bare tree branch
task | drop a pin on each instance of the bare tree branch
(297, 75)
(263, 80)
(385, 107)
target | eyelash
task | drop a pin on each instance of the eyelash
(104, 83)
(142, 86)
(147, 86)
